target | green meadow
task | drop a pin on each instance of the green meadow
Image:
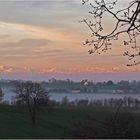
(54, 123)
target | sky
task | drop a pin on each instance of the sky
(44, 39)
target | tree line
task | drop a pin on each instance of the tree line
(126, 102)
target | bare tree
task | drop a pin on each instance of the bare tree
(127, 23)
(30, 94)
(1, 94)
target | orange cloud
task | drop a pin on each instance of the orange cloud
(47, 70)
(1, 67)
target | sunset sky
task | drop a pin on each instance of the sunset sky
(43, 39)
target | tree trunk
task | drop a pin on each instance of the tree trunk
(34, 112)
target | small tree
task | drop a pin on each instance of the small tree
(122, 127)
(65, 101)
(30, 94)
(1, 95)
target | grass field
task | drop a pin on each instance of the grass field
(58, 123)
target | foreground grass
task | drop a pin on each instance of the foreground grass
(58, 123)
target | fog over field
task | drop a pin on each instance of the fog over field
(9, 93)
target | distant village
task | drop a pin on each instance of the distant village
(84, 86)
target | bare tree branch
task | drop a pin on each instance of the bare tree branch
(127, 23)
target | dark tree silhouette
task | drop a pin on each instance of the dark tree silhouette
(1, 95)
(127, 22)
(30, 94)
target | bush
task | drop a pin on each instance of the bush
(122, 126)
(87, 129)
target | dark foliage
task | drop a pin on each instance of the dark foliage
(32, 95)
(124, 126)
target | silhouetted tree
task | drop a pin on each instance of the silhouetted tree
(30, 94)
(1, 94)
(109, 83)
(65, 101)
(127, 22)
(124, 85)
(108, 128)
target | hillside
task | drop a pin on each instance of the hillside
(56, 123)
